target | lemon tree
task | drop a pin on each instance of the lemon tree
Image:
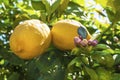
(46, 40)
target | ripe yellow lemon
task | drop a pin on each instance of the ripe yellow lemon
(30, 39)
(63, 33)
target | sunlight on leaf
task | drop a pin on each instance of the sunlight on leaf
(102, 2)
(80, 2)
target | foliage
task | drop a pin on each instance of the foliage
(102, 62)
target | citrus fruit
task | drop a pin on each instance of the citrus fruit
(63, 33)
(30, 39)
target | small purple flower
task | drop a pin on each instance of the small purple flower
(92, 42)
(84, 42)
(80, 37)
(77, 40)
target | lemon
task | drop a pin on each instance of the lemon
(63, 33)
(30, 39)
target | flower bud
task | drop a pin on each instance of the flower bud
(77, 41)
(80, 37)
(94, 42)
(90, 42)
(84, 42)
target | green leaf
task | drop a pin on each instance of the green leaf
(103, 74)
(108, 51)
(14, 76)
(111, 14)
(91, 72)
(115, 76)
(47, 67)
(19, 18)
(55, 5)
(61, 8)
(98, 57)
(110, 3)
(38, 5)
(47, 4)
(109, 60)
(81, 2)
(6, 2)
(117, 59)
(116, 4)
(103, 58)
(101, 47)
(76, 51)
(102, 2)
(117, 16)
(117, 51)
(1, 77)
(43, 16)
(84, 60)
(76, 62)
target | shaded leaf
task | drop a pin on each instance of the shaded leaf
(111, 14)
(115, 76)
(91, 73)
(117, 59)
(76, 62)
(14, 76)
(103, 74)
(116, 4)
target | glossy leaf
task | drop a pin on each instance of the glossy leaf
(101, 47)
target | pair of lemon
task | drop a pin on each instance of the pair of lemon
(31, 38)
